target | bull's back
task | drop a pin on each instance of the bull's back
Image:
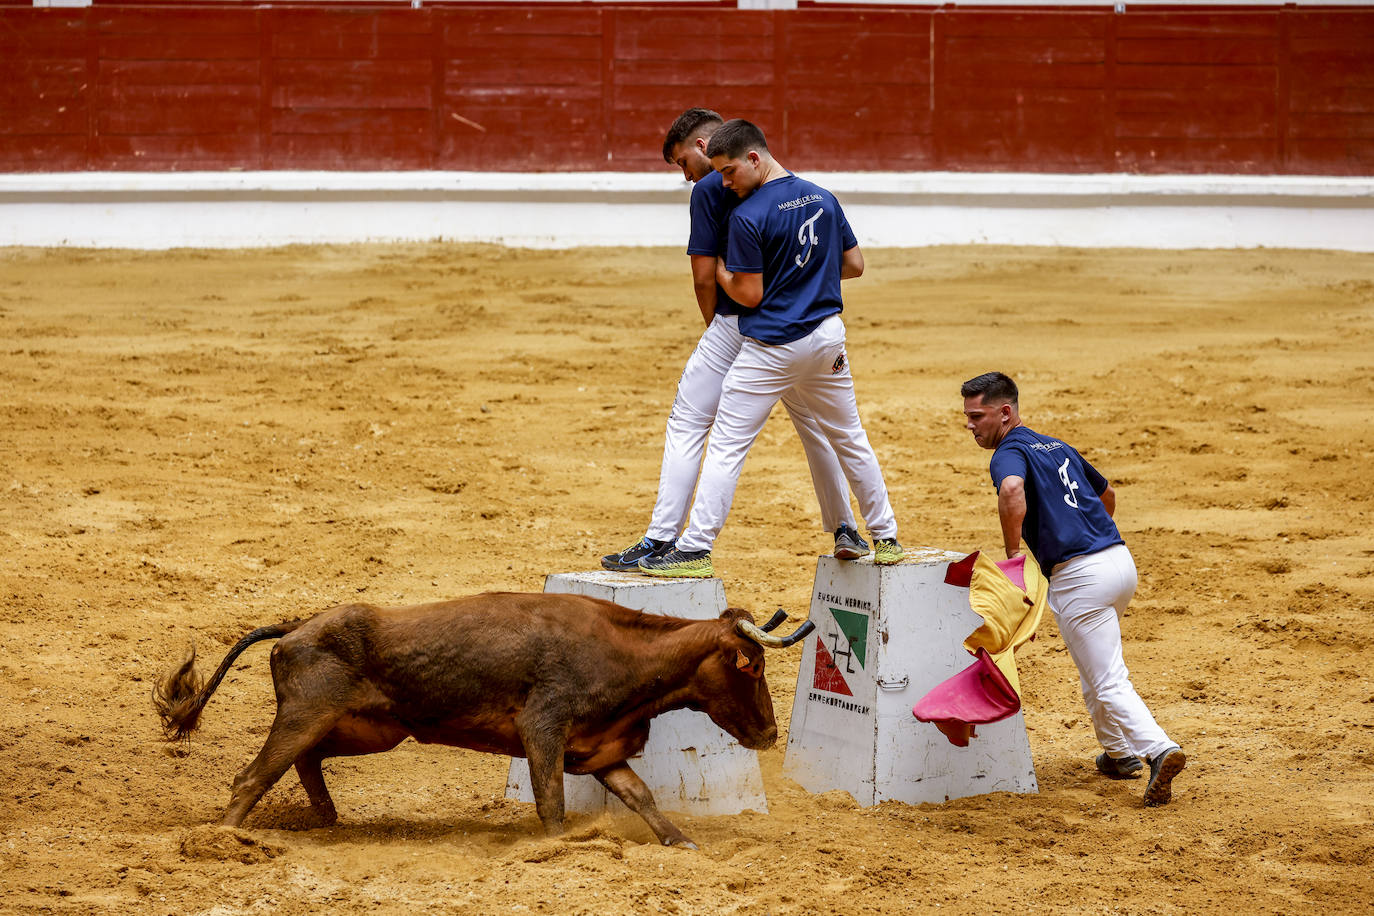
(476, 652)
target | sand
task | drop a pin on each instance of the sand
(198, 443)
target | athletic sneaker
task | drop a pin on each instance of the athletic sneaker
(679, 564)
(1163, 768)
(887, 551)
(1119, 767)
(628, 559)
(848, 544)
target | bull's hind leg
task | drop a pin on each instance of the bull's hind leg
(295, 731)
(312, 779)
(630, 789)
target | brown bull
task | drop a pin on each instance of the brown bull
(567, 681)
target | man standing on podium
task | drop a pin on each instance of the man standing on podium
(789, 247)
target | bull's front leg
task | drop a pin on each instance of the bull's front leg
(630, 789)
(545, 743)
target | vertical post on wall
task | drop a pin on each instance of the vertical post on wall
(938, 129)
(608, 34)
(263, 19)
(1109, 144)
(781, 56)
(438, 63)
(91, 91)
(1284, 88)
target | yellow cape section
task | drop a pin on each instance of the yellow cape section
(1010, 615)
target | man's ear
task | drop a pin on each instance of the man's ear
(701, 144)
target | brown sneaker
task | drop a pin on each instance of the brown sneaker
(1119, 767)
(1163, 768)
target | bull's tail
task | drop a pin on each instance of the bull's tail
(180, 695)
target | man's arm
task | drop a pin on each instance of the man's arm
(852, 264)
(1108, 497)
(746, 289)
(1011, 509)
(704, 284)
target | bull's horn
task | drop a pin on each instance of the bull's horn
(768, 640)
(773, 621)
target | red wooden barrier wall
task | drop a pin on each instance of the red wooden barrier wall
(576, 88)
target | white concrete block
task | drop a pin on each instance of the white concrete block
(690, 764)
(885, 636)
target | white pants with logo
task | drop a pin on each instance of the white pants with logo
(804, 372)
(1086, 595)
(692, 416)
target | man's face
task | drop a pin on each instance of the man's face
(989, 423)
(742, 175)
(690, 156)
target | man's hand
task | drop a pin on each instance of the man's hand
(746, 289)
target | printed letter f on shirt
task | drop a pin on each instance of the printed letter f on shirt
(806, 229)
(1070, 498)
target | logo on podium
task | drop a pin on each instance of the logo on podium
(841, 657)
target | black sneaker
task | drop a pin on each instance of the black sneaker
(1163, 768)
(1119, 767)
(628, 559)
(848, 544)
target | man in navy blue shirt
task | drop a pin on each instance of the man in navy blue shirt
(698, 390)
(789, 246)
(1058, 503)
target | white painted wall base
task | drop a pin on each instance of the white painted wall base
(564, 210)
(886, 636)
(690, 764)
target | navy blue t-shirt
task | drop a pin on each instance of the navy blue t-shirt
(1064, 513)
(711, 207)
(794, 233)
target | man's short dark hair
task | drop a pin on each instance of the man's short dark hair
(734, 138)
(993, 386)
(685, 127)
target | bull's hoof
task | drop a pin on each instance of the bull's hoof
(680, 842)
(325, 818)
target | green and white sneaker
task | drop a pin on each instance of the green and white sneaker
(886, 551)
(679, 564)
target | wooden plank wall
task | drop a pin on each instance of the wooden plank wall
(1279, 90)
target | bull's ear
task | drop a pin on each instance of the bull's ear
(751, 668)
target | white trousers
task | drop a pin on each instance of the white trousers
(1086, 594)
(694, 412)
(814, 373)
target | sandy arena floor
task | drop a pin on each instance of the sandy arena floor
(197, 443)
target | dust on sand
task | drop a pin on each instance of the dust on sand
(197, 443)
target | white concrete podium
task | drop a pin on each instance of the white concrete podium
(690, 764)
(885, 636)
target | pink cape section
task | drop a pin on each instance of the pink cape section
(980, 693)
(975, 696)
